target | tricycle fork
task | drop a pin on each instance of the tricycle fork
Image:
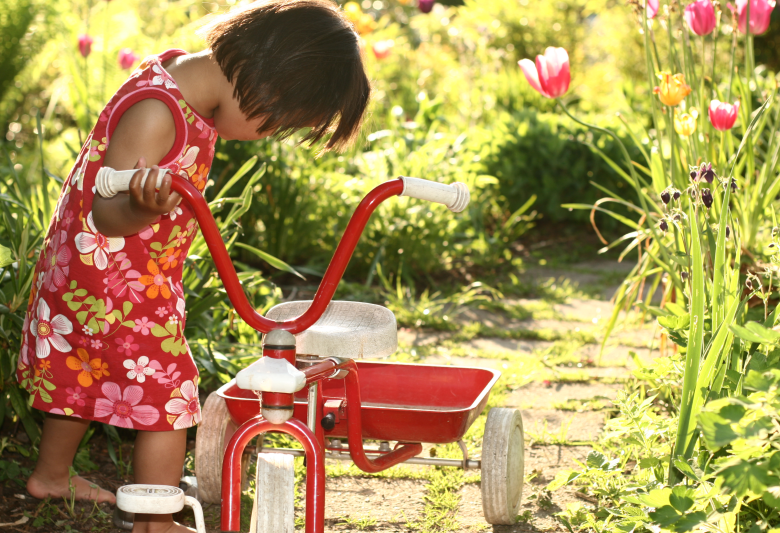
(315, 472)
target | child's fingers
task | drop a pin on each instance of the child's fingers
(135, 185)
(149, 187)
(171, 202)
(165, 190)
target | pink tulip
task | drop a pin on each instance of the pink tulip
(700, 17)
(760, 13)
(723, 115)
(382, 49)
(127, 58)
(550, 75)
(652, 8)
(85, 44)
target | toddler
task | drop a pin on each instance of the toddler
(103, 334)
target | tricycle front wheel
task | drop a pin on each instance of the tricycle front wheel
(502, 465)
(214, 432)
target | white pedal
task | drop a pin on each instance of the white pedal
(158, 499)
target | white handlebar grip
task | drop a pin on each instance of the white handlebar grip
(456, 196)
(108, 181)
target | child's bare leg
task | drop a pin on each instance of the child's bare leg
(158, 459)
(59, 442)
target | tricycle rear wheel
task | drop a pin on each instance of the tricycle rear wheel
(503, 463)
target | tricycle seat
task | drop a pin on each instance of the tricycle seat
(347, 329)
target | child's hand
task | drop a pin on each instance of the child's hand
(145, 201)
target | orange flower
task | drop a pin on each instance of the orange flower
(89, 368)
(170, 259)
(45, 365)
(199, 178)
(104, 369)
(672, 90)
(156, 281)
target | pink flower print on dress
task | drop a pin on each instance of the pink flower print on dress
(67, 219)
(123, 407)
(167, 377)
(95, 247)
(96, 344)
(24, 359)
(161, 311)
(75, 396)
(144, 325)
(49, 331)
(58, 256)
(122, 280)
(126, 345)
(187, 408)
(138, 369)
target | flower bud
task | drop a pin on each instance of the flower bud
(694, 174)
(706, 173)
(706, 198)
(665, 197)
(425, 5)
(733, 185)
(728, 231)
(676, 195)
(774, 231)
(684, 275)
(664, 226)
(749, 284)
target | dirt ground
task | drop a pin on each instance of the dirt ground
(564, 402)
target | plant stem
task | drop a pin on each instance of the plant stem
(672, 154)
(731, 64)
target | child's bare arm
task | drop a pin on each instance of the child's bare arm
(144, 136)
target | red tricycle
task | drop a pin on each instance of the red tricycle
(314, 383)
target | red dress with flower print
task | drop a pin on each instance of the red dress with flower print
(103, 334)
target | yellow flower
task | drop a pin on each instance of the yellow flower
(672, 89)
(685, 123)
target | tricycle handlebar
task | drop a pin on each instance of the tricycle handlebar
(109, 182)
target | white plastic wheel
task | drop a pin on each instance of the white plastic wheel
(214, 432)
(503, 463)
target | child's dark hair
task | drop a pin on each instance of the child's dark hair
(299, 62)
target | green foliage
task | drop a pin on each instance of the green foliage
(549, 156)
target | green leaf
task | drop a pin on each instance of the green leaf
(741, 477)
(126, 308)
(655, 498)
(68, 296)
(128, 324)
(766, 333)
(81, 316)
(44, 396)
(80, 292)
(716, 430)
(6, 257)
(762, 381)
(48, 384)
(665, 516)
(681, 498)
(649, 462)
(745, 334)
(688, 470)
(674, 322)
(271, 260)
(159, 331)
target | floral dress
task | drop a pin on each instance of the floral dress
(103, 334)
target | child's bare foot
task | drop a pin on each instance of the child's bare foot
(40, 487)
